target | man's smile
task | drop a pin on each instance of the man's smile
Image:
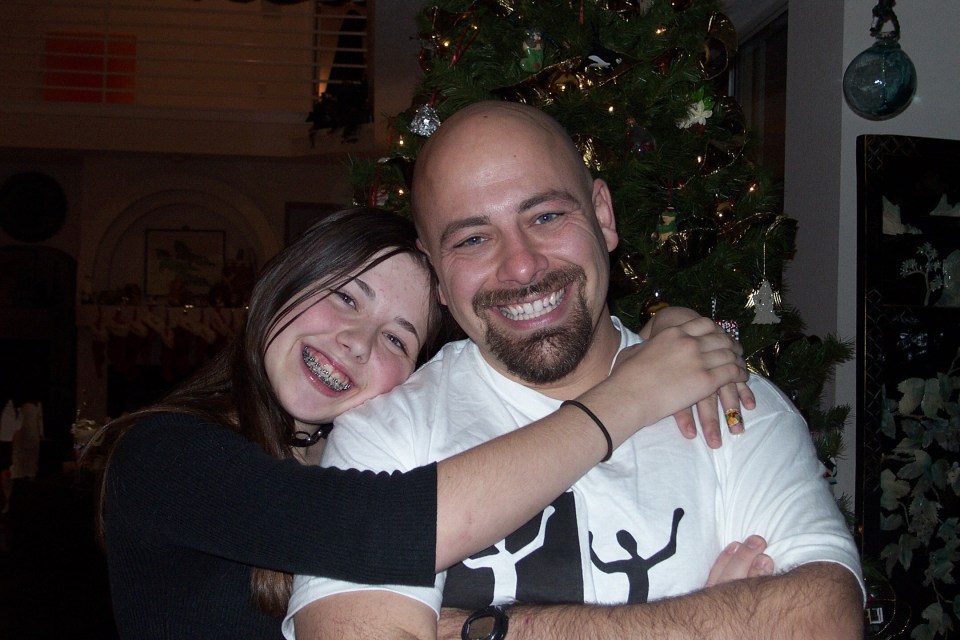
(534, 309)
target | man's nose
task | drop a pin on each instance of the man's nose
(521, 260)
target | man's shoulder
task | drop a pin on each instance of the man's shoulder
(769, 396)
(427, 383)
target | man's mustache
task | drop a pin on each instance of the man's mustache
(557, 279)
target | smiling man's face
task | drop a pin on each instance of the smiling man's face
(519, 235)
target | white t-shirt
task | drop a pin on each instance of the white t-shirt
(658, 512)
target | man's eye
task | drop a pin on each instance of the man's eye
(346, 298)
(397, 342)
(472, 241)
(547, 217)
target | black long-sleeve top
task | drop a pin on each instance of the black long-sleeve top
(190, 507)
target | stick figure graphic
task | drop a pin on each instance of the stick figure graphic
(637, 569)
(504, 563)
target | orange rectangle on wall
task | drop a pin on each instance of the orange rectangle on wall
(89, 67)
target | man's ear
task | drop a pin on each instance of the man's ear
(603, 209)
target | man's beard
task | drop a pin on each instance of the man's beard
(549, 354)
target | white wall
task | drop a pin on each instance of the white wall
(821, 182)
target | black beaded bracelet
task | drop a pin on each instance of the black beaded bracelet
(606, 434)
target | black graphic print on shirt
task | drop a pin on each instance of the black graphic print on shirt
(540, 562)
(637, 569)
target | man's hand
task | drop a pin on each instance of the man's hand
(741, 560)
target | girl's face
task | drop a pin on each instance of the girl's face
(359, 341)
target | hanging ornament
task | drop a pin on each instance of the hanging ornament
(730, 327)
(568, 76)
(639, 140)
(725, 212)
(596, 155)
(427, 54)
(880, 82)
(629, 277)
(667, 226)
(435, 43)
(719, 47)
(764, 300)
(700, 109)
(726, 145)
(626, 9)
(425, 121)
(532, 59)
(664, 61)
(603, 64)
(652, 305)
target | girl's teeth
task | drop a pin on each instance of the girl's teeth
(323, 373)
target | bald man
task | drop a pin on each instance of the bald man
(519, 234)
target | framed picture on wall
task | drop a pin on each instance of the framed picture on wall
(183, 264)
(301, 215)
(908, 370)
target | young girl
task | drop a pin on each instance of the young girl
(206, 507)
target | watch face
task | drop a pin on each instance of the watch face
(482, 627)
(487, 624)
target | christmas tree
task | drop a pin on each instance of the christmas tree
(639, 85)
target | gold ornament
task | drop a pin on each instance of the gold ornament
(626, 9)
(566, 76)
(652, 305)
(724, 149)
(628, 276)
(719, 47)
(664, 61)
(724, 211)
(596, 155)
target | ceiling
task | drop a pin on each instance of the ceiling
(750, 15)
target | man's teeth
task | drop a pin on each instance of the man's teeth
(323, 373)
(531, 310)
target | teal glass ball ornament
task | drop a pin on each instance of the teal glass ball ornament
(880, 82)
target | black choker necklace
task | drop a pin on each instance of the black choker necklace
(303, 439)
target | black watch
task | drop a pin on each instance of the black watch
(489, 623)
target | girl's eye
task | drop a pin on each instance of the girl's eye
(346, 298)
(397, 342)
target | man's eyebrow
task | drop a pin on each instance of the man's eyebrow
(465, 223)
(546, 196)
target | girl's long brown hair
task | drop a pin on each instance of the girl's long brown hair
(233, 390)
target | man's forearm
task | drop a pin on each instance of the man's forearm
(818, 600)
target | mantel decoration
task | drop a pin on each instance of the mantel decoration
(880, 82)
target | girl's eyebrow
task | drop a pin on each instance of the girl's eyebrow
(406, 324)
